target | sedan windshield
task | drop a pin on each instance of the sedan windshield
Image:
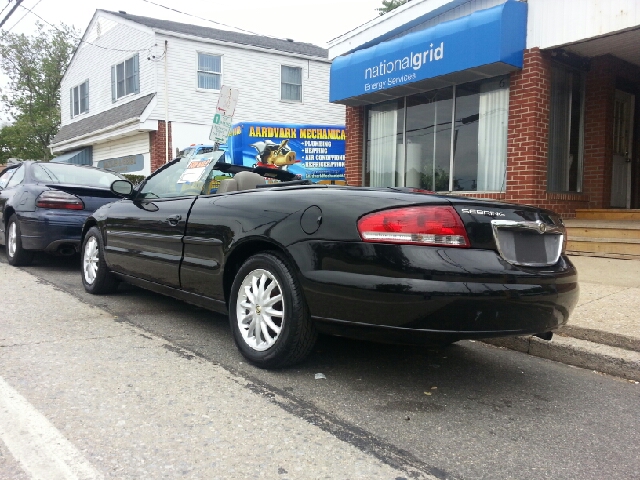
(73, 175)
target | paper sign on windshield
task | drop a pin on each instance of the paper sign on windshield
(194, 172)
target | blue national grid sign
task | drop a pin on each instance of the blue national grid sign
(494, 35)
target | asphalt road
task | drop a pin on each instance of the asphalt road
(468, 411)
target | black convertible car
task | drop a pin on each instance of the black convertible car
(286, 260)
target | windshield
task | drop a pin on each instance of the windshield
(73, 175)
(187, 176)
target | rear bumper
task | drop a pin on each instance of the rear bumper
(418, 294)
(48, 231)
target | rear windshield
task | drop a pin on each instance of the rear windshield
(73, 175)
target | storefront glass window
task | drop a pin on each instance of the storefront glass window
(385, 152)
(428, 140)
(421, 154)
(565, 130)
(480, 136)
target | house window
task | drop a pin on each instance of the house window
(79, 96)
(125, 78)
(451, 139)
(209, 71)
(566, 130)
(291, 83)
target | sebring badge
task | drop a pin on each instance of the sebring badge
(489, 213)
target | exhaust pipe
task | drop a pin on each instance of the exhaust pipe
(544, 336)
(66, 250)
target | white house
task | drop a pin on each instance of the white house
(134, 78)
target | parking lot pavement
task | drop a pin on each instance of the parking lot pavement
(84, 396)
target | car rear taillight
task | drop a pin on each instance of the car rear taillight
(426, 225)
(59, 199)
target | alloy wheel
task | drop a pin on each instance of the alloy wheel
(260, 310)
(12, 243)
(90, 260)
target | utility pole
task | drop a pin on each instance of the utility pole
(13, 9)
(166, 105)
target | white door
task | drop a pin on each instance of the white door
(622, 142)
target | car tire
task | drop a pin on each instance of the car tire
(266, 294)
(96, 277)
(16, 255)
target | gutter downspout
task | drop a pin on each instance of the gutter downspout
(166, 107)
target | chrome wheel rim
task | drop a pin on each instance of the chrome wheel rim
(12, 244)
(260, 310)
(90, 260)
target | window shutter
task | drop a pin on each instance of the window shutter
(71, 103)
(136, 73)
(113, 84)
(86, 102)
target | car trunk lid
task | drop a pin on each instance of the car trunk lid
(522, 234)
(92, 197)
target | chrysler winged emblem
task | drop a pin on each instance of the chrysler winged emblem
(542, 227)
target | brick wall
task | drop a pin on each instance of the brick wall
(599, 95)
(157, 146)
(528, 138)
(528, 130)
(354, 146)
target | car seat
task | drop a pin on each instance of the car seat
(227, 185)
(248, 180)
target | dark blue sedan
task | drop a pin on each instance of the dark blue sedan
(44, 205)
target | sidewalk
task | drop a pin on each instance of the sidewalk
(603, 333)
(85, 397)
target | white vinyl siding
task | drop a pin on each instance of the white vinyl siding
(95, 62)
(552, 23)
(291, 83)
(209, 71)
(256, 74)
(131, 145)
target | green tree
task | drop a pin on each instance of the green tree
(388, 5)
(35, 66)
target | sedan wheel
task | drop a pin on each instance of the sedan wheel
(96, 277)
(11, 242)
(260, 310)
(16, 255)
(90, 260)
(268, 314)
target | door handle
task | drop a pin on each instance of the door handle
(174, 219)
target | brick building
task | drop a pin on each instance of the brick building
(525, 101)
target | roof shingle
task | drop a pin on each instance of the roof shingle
(129, 110)
(228, 36)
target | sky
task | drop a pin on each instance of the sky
(313, 21)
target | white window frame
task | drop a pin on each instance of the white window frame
(73, 91)
(301, 84)
(114, 70)
(197, 68)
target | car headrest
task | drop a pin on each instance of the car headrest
(227, 185)
(248, 180)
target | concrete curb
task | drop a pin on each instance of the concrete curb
(599, 336)
(607, 359)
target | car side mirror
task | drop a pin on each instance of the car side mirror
(122, 188)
